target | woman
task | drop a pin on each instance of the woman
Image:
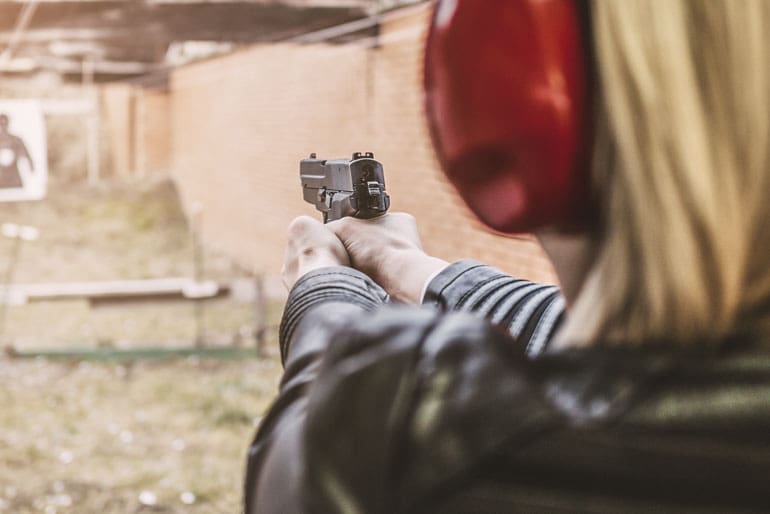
(654, 393)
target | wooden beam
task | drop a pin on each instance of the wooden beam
(22, 22)
(75, 67)
(116, 289)
(241, 290)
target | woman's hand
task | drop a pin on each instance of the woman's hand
(310, 246)
(388, 249)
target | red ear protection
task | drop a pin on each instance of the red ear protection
(506, 91)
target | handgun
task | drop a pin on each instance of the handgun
(345, 187)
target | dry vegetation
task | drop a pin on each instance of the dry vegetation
(89, 437)
(106, 438)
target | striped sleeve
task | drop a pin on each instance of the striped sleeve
(529, 311)
(338, 284)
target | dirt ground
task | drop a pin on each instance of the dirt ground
(94, 437)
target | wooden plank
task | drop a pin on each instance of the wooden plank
(117, 289)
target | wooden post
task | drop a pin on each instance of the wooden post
(92, 123)
(260, 328)
(140, 132)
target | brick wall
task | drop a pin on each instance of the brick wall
(153, 129)
(117, 126)
(240, 124)
(136, 126)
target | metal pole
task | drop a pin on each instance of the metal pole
(198, 270)
(17, 234)
(7, 278)
(133, 354)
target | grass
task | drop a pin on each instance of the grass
(134, 437)
(92, 438)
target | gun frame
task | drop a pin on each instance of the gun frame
(330, 184)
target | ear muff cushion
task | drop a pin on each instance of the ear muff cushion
(507, 103)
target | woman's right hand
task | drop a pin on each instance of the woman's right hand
(389, 250)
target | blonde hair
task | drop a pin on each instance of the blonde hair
(681, 155)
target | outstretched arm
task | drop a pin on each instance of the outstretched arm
(325, 295)
(366, 393)
(530, 312)
(388, 249)
(321, 304)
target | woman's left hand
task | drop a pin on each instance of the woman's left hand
(310, 246)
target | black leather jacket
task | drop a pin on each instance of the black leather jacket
(395, 409)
